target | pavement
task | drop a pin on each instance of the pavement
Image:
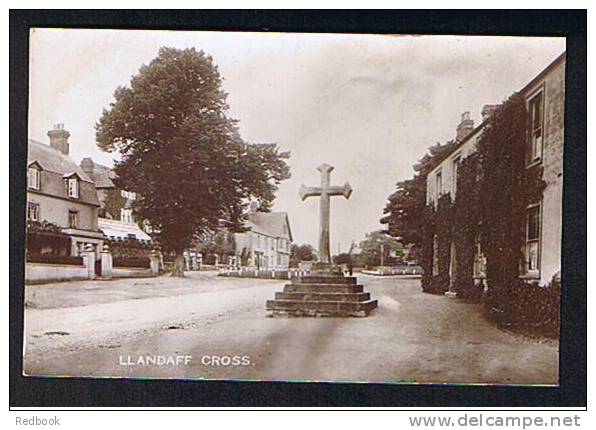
(208, 327)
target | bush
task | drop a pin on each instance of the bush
(131, 262)
(130, 248)
(55, 259)
(528, 307)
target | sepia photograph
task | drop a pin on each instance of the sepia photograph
(303, 207)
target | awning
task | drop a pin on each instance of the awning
(124, 230)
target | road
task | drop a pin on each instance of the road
(204, 326)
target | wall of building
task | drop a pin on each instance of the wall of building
(552, 162)
(268, 247)
(446, 168)
(55, 210)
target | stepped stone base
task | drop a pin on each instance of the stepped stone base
(322, 296)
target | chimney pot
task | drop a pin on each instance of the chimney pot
(465, 127)
(59, 138)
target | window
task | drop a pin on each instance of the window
(34, 178)
(456, 163)
(128, 194)
(126, 215)
(532, 251)
(73, 219)
(439, 184)
(73, 187)
(33, 211)
(435, 255)
(535, 107)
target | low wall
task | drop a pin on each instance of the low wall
(263, 273)
(403, 272)
(130, 272)
(41, 273)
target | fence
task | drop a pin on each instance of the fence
(263, 273)
(409, 271)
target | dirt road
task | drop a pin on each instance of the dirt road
(203, 326)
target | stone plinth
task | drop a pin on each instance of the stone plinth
(322, 296)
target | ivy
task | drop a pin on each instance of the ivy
(494, 189)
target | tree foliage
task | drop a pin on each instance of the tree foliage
(404, 211)
(300, 253)
(378, 243)
(181, 153)
(220, 242)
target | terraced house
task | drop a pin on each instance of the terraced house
(539, 259)
(62, 203)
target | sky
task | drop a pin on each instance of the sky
(369, 105)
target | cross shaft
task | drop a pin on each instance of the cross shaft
(325, 191)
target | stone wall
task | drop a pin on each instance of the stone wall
(37, 273)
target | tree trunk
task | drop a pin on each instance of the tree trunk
(179, 265)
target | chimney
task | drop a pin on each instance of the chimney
(487, 111)
(59, 138)
(465, 127)
(87, 165)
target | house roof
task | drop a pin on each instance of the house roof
(52, 160)
(276, 224)
(55, 167)
(103, 175)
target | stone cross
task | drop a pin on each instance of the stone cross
(325, 191)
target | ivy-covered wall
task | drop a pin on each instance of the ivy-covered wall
(494, 190)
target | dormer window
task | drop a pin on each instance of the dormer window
(34, 177)
(72, 187)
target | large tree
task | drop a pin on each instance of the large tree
(182, 154)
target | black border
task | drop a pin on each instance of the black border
(80, 392)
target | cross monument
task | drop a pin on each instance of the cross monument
(325, 191)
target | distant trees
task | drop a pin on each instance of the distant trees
(343, 258)
(300, 253)
(220, 243)
(181, 153)
(377, 244)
